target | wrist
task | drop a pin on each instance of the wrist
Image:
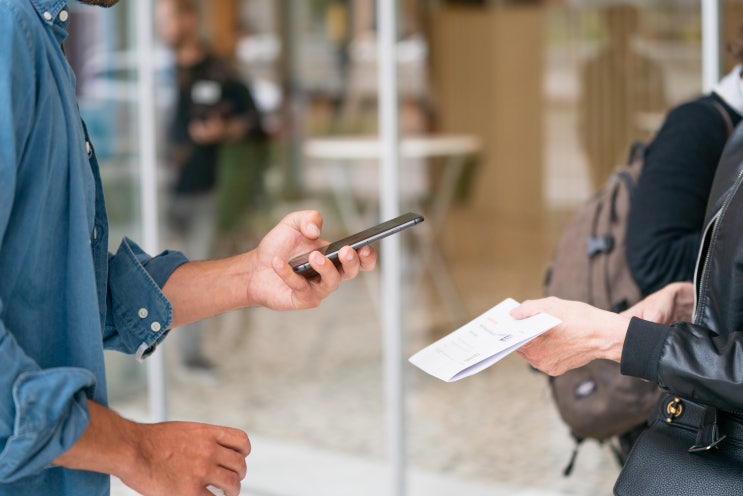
(242, 279)
(107, 446)
(614, 339)
(202, 289)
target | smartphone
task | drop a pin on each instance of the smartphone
(301, 264)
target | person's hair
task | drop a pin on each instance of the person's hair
(735, 47)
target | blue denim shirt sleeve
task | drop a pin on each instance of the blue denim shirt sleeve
(42, 412)
(139, 314)
(51, 354)
(47, 414)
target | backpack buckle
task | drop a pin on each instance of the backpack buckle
(599, 244)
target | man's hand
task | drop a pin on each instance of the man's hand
(673, 303)
(274, 284)
(215, 129)
(208, 131)
(185, 457)
(161, 459)
(585, 334)
(263, 276)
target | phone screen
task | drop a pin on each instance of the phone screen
(301, 264)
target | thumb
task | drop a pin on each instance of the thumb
(529, 308)
(307, 222)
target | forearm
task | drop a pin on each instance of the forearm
(198, 290)
(107, 445)
(166, 458)
(661, 254)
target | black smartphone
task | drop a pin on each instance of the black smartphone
(301, 264)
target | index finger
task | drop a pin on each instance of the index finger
(367, 257)
(350, 262)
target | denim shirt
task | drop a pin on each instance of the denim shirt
(63, 297)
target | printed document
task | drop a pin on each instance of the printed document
(480, 343)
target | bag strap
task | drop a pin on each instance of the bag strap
(708, 435)
(725, 117)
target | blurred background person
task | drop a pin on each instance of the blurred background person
(619, 85)
(213, 108)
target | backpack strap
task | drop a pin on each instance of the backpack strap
(571, 463)
(725, 117)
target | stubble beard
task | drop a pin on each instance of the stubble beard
(100, 3)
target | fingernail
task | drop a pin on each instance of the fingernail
(313, 229)
(319, 259)
(365, 251)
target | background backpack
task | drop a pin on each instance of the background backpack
(596, 401)
(589, 263)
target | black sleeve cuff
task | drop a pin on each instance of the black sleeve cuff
(642, 349)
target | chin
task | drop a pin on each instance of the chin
(100, 3)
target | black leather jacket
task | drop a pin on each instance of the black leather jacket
(703, 361)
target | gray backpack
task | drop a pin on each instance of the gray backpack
(596, 401)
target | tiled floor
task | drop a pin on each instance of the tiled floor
(308, 386)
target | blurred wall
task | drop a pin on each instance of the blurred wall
(487, 78)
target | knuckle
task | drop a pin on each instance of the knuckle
(242, 469)
(233, 483)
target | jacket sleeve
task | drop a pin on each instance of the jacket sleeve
(687, 360)
(667, 212)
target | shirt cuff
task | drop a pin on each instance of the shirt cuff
(642, 349)
(163, 265)
(141, 314)
(51, 413)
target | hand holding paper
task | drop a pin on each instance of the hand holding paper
(481, 342)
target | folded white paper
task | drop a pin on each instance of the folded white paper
(481, 342)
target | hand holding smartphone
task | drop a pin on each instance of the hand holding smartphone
(301, 264)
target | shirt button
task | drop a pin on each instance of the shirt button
(64, 15)
(48, 16)
(155, 327)
(88, 148)
(143, 313)
(95, 233)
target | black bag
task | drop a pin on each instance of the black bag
(688, 449)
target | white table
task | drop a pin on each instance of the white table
(349, 167)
